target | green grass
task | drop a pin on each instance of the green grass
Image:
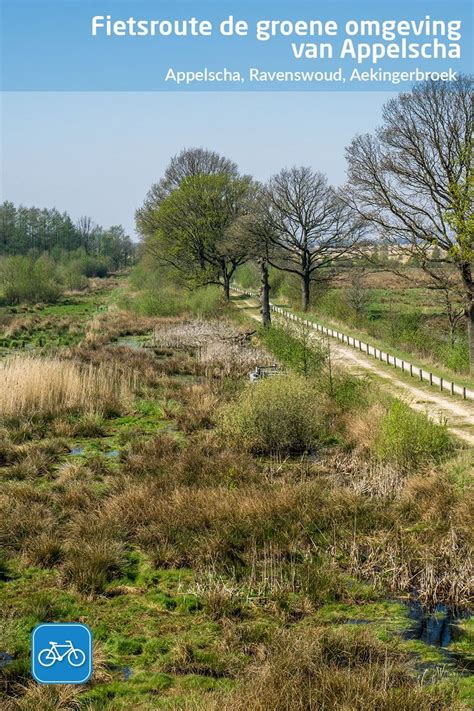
(409, 438)
(409, 356)
(404, 311)
(51, 326)
(185, 635)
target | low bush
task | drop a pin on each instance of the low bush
(163, 302)
(351, 392)
(281, 414)
(455, 357)
(25, 279)
(206, 302)
(410, 438)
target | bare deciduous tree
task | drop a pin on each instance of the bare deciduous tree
(88, 232)
(447, 286)
(413, 179)
(311, 229)
(358, 296)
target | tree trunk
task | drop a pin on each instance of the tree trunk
(469, 287)
(265, 294)
(470, 334)
(305, 288)
(226, 285)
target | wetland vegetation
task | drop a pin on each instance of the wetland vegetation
(231, 545)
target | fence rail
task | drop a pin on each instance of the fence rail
(405, 366)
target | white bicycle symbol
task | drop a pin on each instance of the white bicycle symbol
(48, 656)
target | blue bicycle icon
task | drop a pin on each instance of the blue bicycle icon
(61, 653)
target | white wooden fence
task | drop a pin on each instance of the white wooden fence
(404, 365)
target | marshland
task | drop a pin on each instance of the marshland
(296, 541)
(247, 545)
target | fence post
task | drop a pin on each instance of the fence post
(441, 384)
(411, 370)
(421, 375)
(464, 392)
(431, 378)
(452, 388)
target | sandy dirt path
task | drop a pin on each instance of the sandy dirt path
(457, 413)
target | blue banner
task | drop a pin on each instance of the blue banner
(139, 45)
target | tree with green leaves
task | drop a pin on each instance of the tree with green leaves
(35, 231)
(116, 246)
(195, 229)
(189, 163)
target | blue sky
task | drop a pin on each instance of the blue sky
(98, 153)
(73, 138)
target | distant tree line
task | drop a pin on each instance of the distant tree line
(35, 231)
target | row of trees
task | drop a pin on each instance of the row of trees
(409, 186)
(210, 223)
(31, 230)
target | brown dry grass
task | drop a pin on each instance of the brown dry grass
(22, 325)
(268, 539)
(109, 325)
(199, 408)
(328, 670)
(222, 349)
(360, 427)
(33, 697)
(47, 386)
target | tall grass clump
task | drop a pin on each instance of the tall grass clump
(335, 669)
(282, 414)
(51, 386)
(205, 302)
(410, 438)
(298, 351)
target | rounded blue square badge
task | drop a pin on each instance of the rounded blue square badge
(61, 653)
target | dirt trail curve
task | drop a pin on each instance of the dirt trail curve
(458, 414)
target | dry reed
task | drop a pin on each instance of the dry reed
(46, 386)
